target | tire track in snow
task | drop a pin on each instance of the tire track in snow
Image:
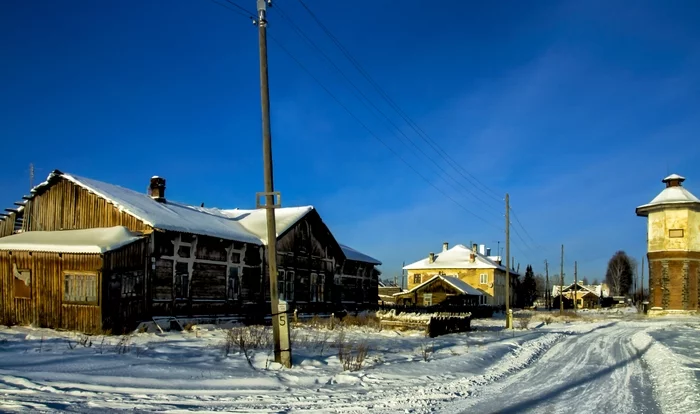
(598, 371)
(676, 390)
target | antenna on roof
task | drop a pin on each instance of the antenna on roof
(31, 175)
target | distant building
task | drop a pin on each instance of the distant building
(673, 247)
(474, 266)
(440, 289)
(587, 296)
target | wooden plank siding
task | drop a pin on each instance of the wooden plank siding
(123, 296)
(45, 307)
(66, 206)
(308, 248)
(7, 225)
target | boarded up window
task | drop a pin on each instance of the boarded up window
(675, 233)
(211, 249)
(80, 288)
(23, 282)
(163, 280)
(208, 281)
(184, 251)
(182, 281)
(233, 284)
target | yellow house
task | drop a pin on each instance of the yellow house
(477, 268)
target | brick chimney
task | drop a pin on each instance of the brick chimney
(445, 246)
(431, 257)
(157, 189)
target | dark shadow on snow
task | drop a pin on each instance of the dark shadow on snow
(530, 403)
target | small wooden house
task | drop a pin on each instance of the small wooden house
(86, 280)
(439, 289)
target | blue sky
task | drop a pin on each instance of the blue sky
(577, 109)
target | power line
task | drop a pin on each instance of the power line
(517, 220)
(239, 9)
(308, 72)
(486, 190)
(377, 111)
(301, 65)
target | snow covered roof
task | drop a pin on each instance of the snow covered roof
(673, 194)
(599, 290)
(98, 240)
(255, 221)
(454, 281)
(352, 254)
(458, 257)
(170, 215)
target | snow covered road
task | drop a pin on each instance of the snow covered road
(623, 365)
(596, 371)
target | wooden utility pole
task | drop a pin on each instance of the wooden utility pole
(575, 286)
(547, 293)
(508, 321)
(561, 283)
(642, 278)
(280, 322)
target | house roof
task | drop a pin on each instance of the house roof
(169, 215)
(458, 257)
(595, 289)
(255, 221)
(673, 195)
(98, 240)
(352, 254)
(453, 281)
(230, 224)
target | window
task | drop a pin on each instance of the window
(427, 299)
(317, 286)
(233, 286)
(80, 288)
(483, 278)
(675, 233)
(235, 257)
(182, 281)
(132, 284)
(23, 281)
(416, 278)
(285, 285)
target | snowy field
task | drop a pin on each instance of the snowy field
(596, 362)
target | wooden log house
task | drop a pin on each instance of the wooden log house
(199, 261)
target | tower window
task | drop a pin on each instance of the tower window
(675, 233)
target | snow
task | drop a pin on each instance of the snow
(618, 363)
(255, 221)
(457, 257)
(670, 195)
(456, 282)
(352, 254)
(170, 215)
(97, 240)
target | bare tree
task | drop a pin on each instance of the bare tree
(540, 285)
(585, 281)
(620, 274)
(596, 281)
